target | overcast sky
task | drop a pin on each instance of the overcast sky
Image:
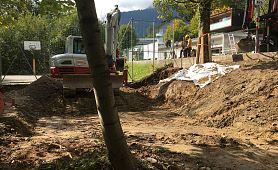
(105, 6)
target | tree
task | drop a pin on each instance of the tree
(125, 37)
(118, 151)
(180, 30)
(167, 9)
(11, 10)
(53, 8)
(194, 25)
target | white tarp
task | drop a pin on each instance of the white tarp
(202, 74)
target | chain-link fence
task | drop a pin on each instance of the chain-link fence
(147, 47)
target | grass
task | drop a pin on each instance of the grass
(93, 160)
(139, 71)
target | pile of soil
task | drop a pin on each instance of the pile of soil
(42, 97)
(25, 106)
(154, 78)
(245, 98)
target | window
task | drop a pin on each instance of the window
(66, 62)
(78, 46)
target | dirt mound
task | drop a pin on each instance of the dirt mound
(155, 77)
(246, 97)
(45, 88)
(42, 97)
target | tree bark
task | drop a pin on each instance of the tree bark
(204, 27)
(118, 152)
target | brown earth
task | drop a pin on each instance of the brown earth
(230, 124)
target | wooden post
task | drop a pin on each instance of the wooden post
(34, 66)
(202, 51)
(209, 47)
(198, 51)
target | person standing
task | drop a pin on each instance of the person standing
(183, 44)
(188, 46)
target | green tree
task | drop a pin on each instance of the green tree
(168, 8)
(50, 32)
(53, 8)
(125, 37)
(119, 153)
(194, 25)
(180, 30)
(186, 9)
(11, 10)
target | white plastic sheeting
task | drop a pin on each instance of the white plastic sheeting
(202, 74)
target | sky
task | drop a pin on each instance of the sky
(105, 6)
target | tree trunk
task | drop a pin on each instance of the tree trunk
(118, 152)
(204, 27)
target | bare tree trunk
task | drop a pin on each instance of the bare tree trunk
(204, 27)
(118, 151)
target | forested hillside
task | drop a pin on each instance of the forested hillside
(142, 20)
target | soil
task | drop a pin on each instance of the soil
(229, 124)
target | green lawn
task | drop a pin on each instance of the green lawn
(139, 71)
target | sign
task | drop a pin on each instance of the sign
(32, 45)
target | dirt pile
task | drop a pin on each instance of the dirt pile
(247, 97)
(154, 78)
(45, 88)
(42, 97)
(24, 106)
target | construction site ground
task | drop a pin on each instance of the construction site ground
(229, 124)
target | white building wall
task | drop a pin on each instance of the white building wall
(149, 51)
(221, 42)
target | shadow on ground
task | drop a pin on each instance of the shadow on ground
(265, 65)
(224, 155)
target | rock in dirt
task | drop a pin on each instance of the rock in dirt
(152, 160)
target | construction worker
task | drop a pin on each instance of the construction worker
(183, 44)
(188, 46)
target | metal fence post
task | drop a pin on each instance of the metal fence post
(0, 69)
(153, 46)
(257, 41)
(131, 46)
(173, 52)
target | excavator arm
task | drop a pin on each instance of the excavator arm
(249, 13)
(264, 28)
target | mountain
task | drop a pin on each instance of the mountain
(143, 20)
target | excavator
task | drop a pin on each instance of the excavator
(264, 27)
(72, 66)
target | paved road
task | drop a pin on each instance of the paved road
(19, 79)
